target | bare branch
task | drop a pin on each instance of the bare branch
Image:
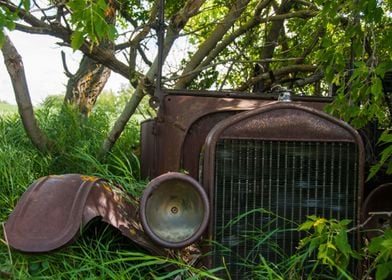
(144, 56)
(274, 33)
(278, 72)
(216, 35)
(371, 216)
(253, 22)
(310, 79)
(32, 30)
(222, 62)
(66, 71)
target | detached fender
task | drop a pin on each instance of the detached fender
(52, 211)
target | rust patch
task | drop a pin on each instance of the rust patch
(88, 178)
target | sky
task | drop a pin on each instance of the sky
(43, 68)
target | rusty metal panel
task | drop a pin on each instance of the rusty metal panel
(49, 213)
(284, 121)
(180, 114)
(195, 138)
(148, 148)
(52, 211)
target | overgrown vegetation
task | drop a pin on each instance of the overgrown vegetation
(241, 44)
(317, 47)
(6, 108)
(103, 253)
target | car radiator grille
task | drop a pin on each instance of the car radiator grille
(264, 189)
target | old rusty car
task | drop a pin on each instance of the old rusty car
(221, 165)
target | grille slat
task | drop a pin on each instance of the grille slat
(292, 180)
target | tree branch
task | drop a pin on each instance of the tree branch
(14, 64)
(32, 30)
(316, 37)
(216, 35)
(96, 53)
(310, 79)
(144, 56)
(278, 72)
(177, 23)
(253, 22)
(65, 66)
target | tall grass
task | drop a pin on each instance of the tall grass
(76, 139)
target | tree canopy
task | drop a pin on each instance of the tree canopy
(315, 47)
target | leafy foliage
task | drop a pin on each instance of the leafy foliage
(7, 20)
(386, 154)
(381, 248)
(90, 21)
(328, 238)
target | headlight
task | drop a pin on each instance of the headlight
(174, 210)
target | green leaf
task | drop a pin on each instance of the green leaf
(77, 5)
(388, 234)
(101, 4)
(345, 222)
(314, 243)
(386, 153)
(385, 137)
(26, 4)
(342, 243)
(306, 226)
(331, 246)
(383, 270)
(319, 225)
(389, 168)
(383, 67)
(387, 244)
(376, 87)
(375, 245)
(77, 40)
(373, 171)
(112, 32)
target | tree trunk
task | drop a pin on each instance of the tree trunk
(14, 64)
(84, 87)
